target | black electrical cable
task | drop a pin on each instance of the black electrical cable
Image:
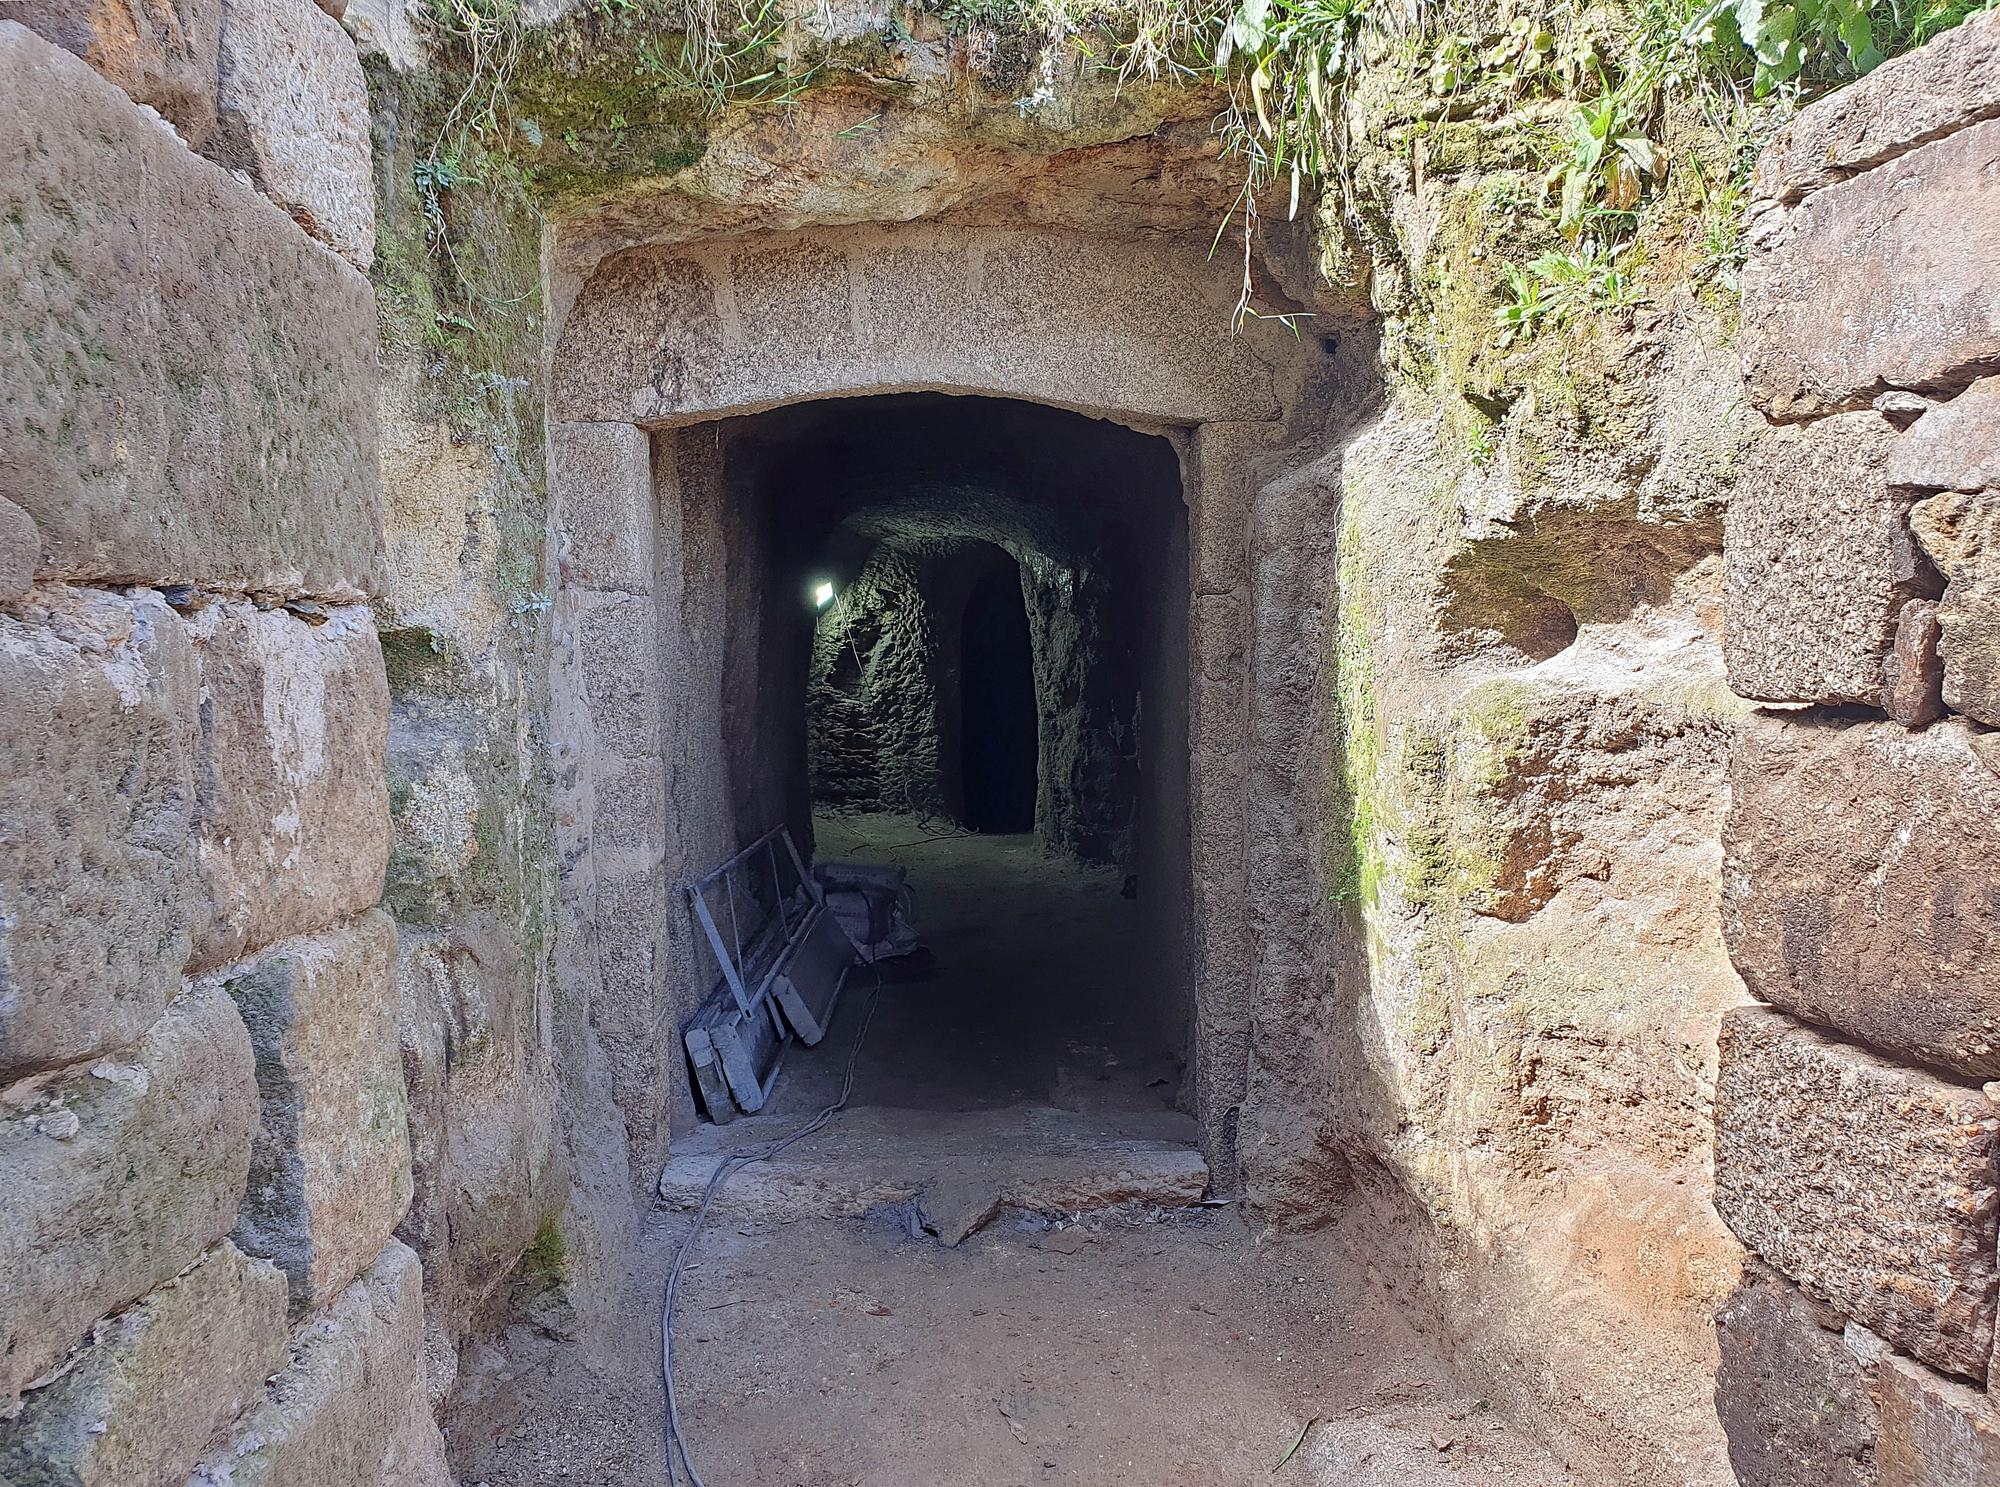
(676, 1437)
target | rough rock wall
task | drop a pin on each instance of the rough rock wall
(1503, 1034)
(872, 705)
(464, 620)
(204, 1144)
(1856, 1151)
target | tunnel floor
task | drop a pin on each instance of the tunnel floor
(825, 1340)
(1030, 993)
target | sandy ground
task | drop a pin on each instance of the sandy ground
(1140, 1345)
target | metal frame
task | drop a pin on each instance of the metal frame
(739, 962)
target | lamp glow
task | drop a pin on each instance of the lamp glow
(823, 595)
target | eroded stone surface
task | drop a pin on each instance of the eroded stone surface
(1935, 1432)
(330, 1175)
(1796, 1397)
(1870, 1184)
(192, 451)
(341, 1414)
(294, 818)
(293, 115)
(98, 893)
(1818, 564)
(1859, 883)
(1891, 279)
(118, 1176)
(1952, 81)
(155, 1382)
(1960, 532)
(161, 52)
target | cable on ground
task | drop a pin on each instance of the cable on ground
(676, 1436)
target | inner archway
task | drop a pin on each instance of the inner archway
(996, 687)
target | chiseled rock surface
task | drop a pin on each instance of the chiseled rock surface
(602, 475)
(118, 1176)
(1954, 446)
(98, 892)
(1870, 1184)
(1817, 564)
(193, 450)
(341, 1415)
(1795, 1390)
(1889, 279)
(293, 114)
(483, 1122)
(617, 641)
(1106, 326)
(1861, 883)
(294, 822)
(161, 52)
(1935, 1432)
(330, 1173)
(1960, 532)
(1944, 85)
(155, 1382)
(20, 547)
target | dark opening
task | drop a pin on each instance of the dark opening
(997, 733)
(956, 641)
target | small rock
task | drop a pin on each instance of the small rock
(59, 1125)
(1900, 406)
(1913, 673)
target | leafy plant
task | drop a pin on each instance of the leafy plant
(1608, 161)
(1557, 287)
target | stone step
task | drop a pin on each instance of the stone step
(960, 1167)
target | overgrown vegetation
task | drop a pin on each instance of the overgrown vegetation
(1580, 96)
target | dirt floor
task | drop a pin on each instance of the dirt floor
(1143, 1344)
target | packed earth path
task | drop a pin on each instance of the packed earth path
(1127, 1344)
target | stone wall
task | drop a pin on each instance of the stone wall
(203, 1119)
(1857, 1131)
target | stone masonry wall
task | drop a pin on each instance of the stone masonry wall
(1857, 1127)
(203, 1130)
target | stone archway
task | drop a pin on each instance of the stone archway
(660, 346)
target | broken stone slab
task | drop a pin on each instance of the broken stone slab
(1944, 85)
(163, 53)
(1913, 676)
(98, 888)
(1871, 1185)
(1891, 279)
(155, 1382)
(330, 1171)
(601, 480)
(294, 830)
(1935, 1432)
(1860, 863)
(292, 115)
(192, 452)
(1960, 531)
(341, 1414)
(1046, 1160)
(119, 1175)
(953, 1207)
(1955, 446)
(1796, 1388)
(1817, 564)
